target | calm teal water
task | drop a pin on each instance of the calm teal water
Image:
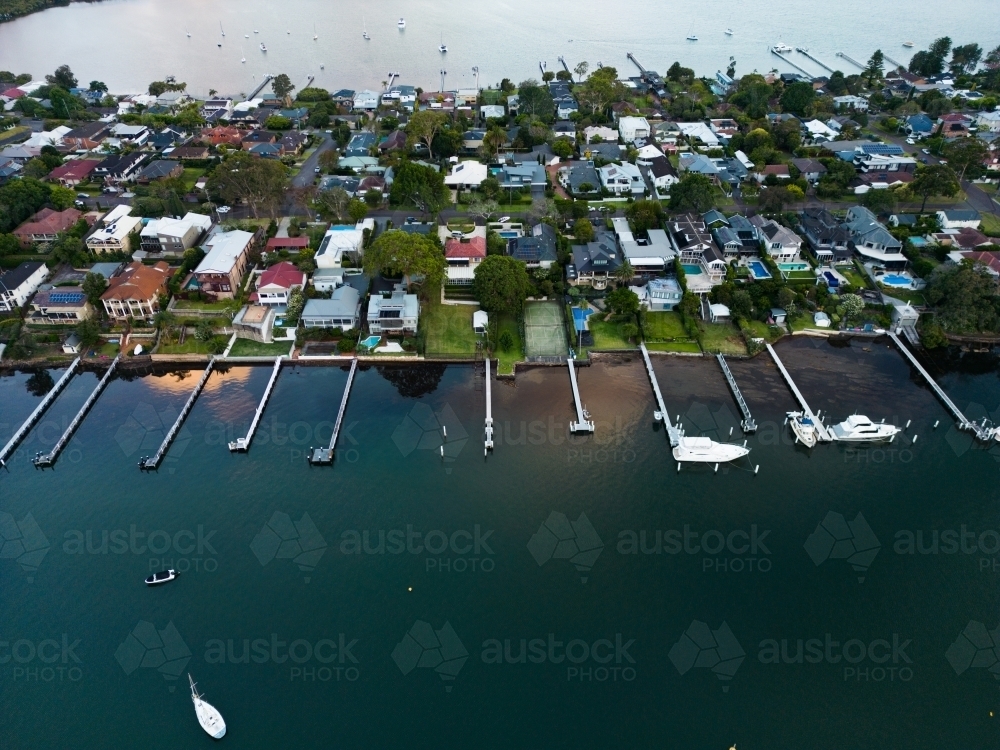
(277, 552)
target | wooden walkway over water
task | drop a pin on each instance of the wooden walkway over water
(243, 443)
(324, 456)
(583, 422)
(822, 433)
(488, 432)
(25, 428)
(153, 462)
(661, 414)
(748, 424)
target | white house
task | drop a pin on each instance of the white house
(18, 284)
(395, 313)
(340, 239)
(662, 174)
(781, 243)
(608, 135)
(622, 179)
(467, 174)
(115, 231)
(342, 310)
(989, 121)
(958, 219)
(631, 128)
(492, 111)
(276, 283)
(699, 131)
(818, 129)
(366, 100)
(857, 103)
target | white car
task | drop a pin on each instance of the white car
(926, 151)
(911, 142)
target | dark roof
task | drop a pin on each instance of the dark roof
(537, 247)
(601, 255)
(661, 167)
(120, 163)
(13, 278)
(157, 170)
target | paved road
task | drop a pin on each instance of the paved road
(307, 175)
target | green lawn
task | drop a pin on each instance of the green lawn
(721, 337)
(187, 304)
(191, 345)
(799, 275)
(990, 225)
(802, 321)
(675, 346)
(607, 334)
(762, 330)
(664, 325)
(191, 176)
(448, 329)
(250, 348)
(109, 350)
(907, 295)
(506, 359)
(12, 134)
(857, 280)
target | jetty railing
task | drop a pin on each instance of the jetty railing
(748, 424)
(25, 428)
(822, 433)
(325, 455)
(243, 443)
(583, 422)
(488, 432)
(153, 462)
(661, 414)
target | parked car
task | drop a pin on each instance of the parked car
(926, 151)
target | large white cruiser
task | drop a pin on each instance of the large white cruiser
(803, 428)
(858, 428)
(208, 716)
(707, 451)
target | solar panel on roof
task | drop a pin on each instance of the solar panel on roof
(65, 297)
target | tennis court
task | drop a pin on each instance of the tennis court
(544, 330)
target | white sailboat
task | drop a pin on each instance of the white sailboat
(443, 47)
(707, 451)
(208, 716)
(188, 33)
(246, 36)
(858, 428)
(364, 26)
(243, 57)
(315, 35)
(222, 29)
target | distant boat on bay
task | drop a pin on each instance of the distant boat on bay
(401, 24)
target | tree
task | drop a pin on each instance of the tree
(423, 126)
(493, 141)
(93, 286)
(623, 301)
(398, 252)
(483, 208)
(693, 192)
(798, 98)
(965, 58)
(357, 210)
(20, 199)
(966, 153)
(583, 230)
(541, 209)
(930, 62)
(837, 85)
(259, 182)
(505, 340)
(600, 89)
(875, 66)
(741, 307)
(89, 333)
(99, 87)
(934, 179)
(282, 85)
(63, 78)
(533, 99)
(204, 331)
(501, 284)
(965, 298)
(373, 198)
(329, 159)
(879, 201)
(624, 273)
(581, 70)
(853, 305)
(644, 215)
(277, 122)
(547, 76)
(562, 147)
(420, 185)
(564, 75)
(334, 202)
(773, 199)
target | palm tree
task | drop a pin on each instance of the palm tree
(624, 273)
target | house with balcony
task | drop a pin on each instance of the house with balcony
(227, 256)
(463, 255)
(174, 236)
(693, 242)
(622, 179)
(595, 263)
(276, 283)
(780, 243)
(61, 305)
(828, 240)
(19, 283)
(663, 294)
(114, 231)
(342, 310)
(393, 313)
(135, 291)
(872, 242)
(46, 225)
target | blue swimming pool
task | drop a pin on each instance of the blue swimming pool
(580, 318)
(758, 270)
(509, 235)
(371, 341)
(891, 279)
(690, 269)
(832, 281)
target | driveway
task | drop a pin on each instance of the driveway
(307, 174)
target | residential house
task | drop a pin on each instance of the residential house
(463, 255)
(119, 168)
(700, 164)
(73, 172)
(136, 291)
(254, 137)
(172, 98)
(400, 95)
(780, 243)
(472, 140)
(648, 150)
(130, 135)
(170, 136)
(19, 283)
(810, 169)
(467, 174)
(292, 143)
(291, 244)
(161, 169)
(492, 112)
(87, 136)
(114, 231)
(954, 125)
(737, 237)
(698, 132)
(348, 184)
(217, 109)
(601, 152)
(662, 174)
(298, 115)
(631, 128)
(266, 150)
(187, 153)
(991, 261)
(217, 136)
(851, 102)
(623, 109)
(600, 131)
(828, 240)
(691, 240)
(371, 183)
(667, 134)
(466, 98)
(780, 172)
(343, 98)
(965, 238)
(663, 294)
(276, 283)
(595, 263)
(45, 226)
(527, 174)
(884, 163)
(872, 241)
(958, 218)
(443, 101)
(564, 129)
(724, 128)
(988, 121)
(174, 236)
(395, 141)
(63, 305)
(222, 269)
(538, 249)
(396, 313)
(919, 125)
(817, 130)
(648, 257)
(622, 179)
(342, 310)
(580, 178)
(340, 240)
(255, 322)
(365, 100)
(8, 169)
(361, 144)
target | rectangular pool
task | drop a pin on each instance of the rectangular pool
(690, 269)
(758, 270)
(580, 318)
(786, 267)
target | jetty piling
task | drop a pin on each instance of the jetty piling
(243, 443)
(661, 414)
(25, 428)
(266, 80)
(789, 62)
(153, 462)
(822, 433)
(324, 456)
(815, 59)
(748, 424)
(583, 422)
(850, 60)
(49, 458)
(488, 433)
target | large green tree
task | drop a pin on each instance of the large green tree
(397, 252)
(282, 85)
(798, 98)
(935, 179)
(964, 154)
(965, 298)
(260, 183)
(424, 126)
(419, 185)
(694, 192)
(94, 286)
(501, 284)
(644, 215)
(533, 99)
(63, 77)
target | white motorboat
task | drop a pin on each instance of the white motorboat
(907, 44)
(858, 428)
(262, 47)
(401, 23)
(692, 37)
(443, 47)
(729, 32)
(706, 451)
(802, 427)
(208, 715)
(782, 49)
(164, 576)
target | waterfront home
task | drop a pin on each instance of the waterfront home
(958, 218)
(663, 294)
(600, 131)
(220, 109)
(812, 170)
(341, 240)
(135, 292)
(130, 135)
(174, 236)
(691, 239)
(851, 102)
(222, 269)
(161, 169)
(73, 172)
(44, 227)
(737, 238)
(19, 283)
(393, 313)
(119, 168)
(538, 249)
(443, 101)
(172, 98)
(622, 179)
(87, 136)
(62, 305)
(595, 263)
(365, 101)
(631, 128)
(114, 231)
(255, 322)
(872, 242)
(716, 313)
(828, 240)
(649, 256)
(342, 310)
(463, 256)
(662, 174)
(781, 243)
(467, 174)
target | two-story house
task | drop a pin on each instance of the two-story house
(18, 284)
(393, 314)
(135, 291)
(463, 255)
(780, 243)
(872, 241)
(595, 263)
(222, 269)
(276, 283)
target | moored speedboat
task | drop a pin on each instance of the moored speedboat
(401, 23)
(692, 37)
(707, 451)
(782, 49)
(164, 576)
(208, 715)
(907, 44)
(802, 427)
(729, 32)
(262, 47)
(858, 428)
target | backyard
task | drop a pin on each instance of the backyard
(506, 359)
(191, 345)
(250, 348)
(760, 330)
(188, 304)
(607, 334)
(664, 332)
(990, 225)
(448, 330)
(721, 338)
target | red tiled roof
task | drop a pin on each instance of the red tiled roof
(474, 247)
(14, 93)
(48, 221)
(284, 275)
(76, 169)
(277, 243)
(776, 169)
(987, 259)
(138, 282)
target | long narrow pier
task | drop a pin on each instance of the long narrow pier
(25, 428)
(748, 424)
(822, 433)
(661, 414)
(243, 443)
(583, 423)
(266, 80)
(631, 57)
(488, 441)
(41, 461)
(815, 59)
(153, 462)
(789, 62)
(325, 455)
(982, 433)
(563, 61)
(850, 60)
(893, 62)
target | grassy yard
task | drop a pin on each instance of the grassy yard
(187, 304)
(607, 334)
(690, 347)
(191, 176)
(108, 349)
(854, 276)
(800, 275)
(506, 359)
(721, 337)
(448, 329)
(801, 321)
(250, 348)
(191, 345)
(12, 134)
(990, 225)
(762, 330)
(664, 332)
(907, 295)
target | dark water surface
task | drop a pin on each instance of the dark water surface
(390, 594)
